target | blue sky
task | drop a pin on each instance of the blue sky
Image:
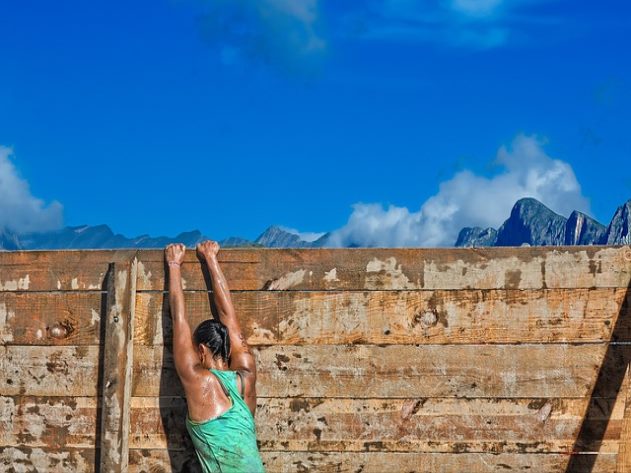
(391, 122)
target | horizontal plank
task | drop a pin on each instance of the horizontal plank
(69, 460)
(413, 425)
(51, 318)
(403, 268)
(359, 371)
(561, 370)
(335, 269)
(49, 370)
(403, 317)
(317, 424)
(48, 422)
(49, 460)
(150, 461)
(78, 270)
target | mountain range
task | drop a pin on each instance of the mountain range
(530, 223)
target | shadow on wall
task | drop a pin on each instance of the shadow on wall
(606, 390)
(101, 367)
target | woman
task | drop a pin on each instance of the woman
(218, 373)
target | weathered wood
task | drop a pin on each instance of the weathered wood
(411, 425)
(73, 270)
(150, 461)
(624, 457)
(359, 371)
(117, 367)
(334, 370)
(357, 269)
(403, 268)
(402, 317)
(51, 318)
(49, 460)
(51, 422)
(320, 424)
(49, 370)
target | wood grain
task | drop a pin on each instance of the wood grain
(51, 318)
(403, 268)
(358, 371)
(70, 270)
(158, 461)
(411, 425)
(402, 317)
(117, 367)
(48, 460)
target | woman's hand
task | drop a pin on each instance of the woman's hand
(208, 249)
(174, 253)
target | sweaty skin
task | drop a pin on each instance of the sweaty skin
(204, 395)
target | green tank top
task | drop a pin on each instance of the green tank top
(227, 443)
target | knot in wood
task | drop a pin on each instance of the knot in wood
(428, 319)
(627, 254)
(58, 331)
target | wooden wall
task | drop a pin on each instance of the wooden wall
(370, 360)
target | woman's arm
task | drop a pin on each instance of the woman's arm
(184, 354)
(241, 358)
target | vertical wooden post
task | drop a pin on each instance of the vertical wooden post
(117, 367)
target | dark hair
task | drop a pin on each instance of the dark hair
(214, 335)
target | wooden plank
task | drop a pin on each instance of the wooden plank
(333, 370)
(378, 317)
(320, 424)
(357, 269)
(48, 422)
(78, 270)
(117, 367)
(411, 425)
(51, 318)
(69, 460)
(49, 370)
(360, 371)
(150, 461)
(402, 317)
(49, 460)
(403, 268)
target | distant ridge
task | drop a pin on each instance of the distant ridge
(530, 223)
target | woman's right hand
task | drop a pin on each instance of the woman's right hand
(174, 253)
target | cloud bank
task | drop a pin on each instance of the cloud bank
(468, 199)
(20, 211)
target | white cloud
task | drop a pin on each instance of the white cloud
(469, 200)
(20, 211)
(305, 236)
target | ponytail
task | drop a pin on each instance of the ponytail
(214, 335)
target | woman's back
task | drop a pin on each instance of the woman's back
(227, 443)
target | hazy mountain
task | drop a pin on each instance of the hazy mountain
(581, 229)
(533, 223)
(476, 236)
(277, 237)
(619, 230)
(530, 222)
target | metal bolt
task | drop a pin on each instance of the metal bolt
(116, 318)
